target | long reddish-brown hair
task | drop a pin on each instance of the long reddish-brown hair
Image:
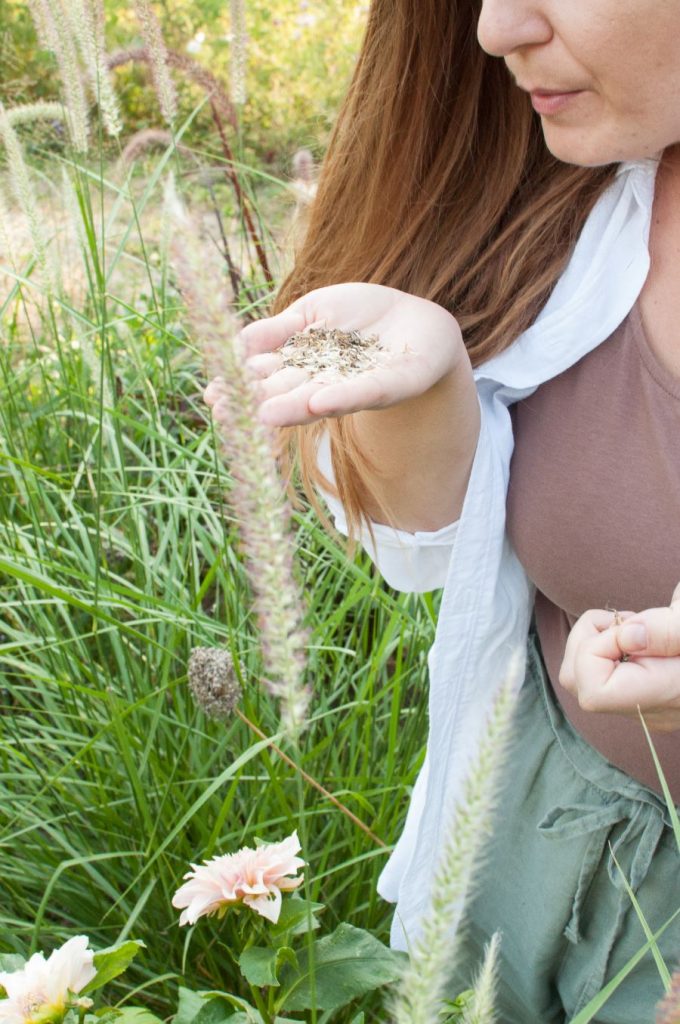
(437, 181)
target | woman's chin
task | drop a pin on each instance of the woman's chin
(582, 149)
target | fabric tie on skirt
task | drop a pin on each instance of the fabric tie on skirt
(645, 827)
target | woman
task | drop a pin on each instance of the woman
(505, 177)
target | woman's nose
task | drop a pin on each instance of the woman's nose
(507, 25)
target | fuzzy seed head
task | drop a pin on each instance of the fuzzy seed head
(668, 1011)
(213, 681)
(155, 45)
(239, 47)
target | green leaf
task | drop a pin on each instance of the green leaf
(214, 1011)
(135, 1015)
(260, 965)
(670, 802)
(11, 962)
(359, 1019)
(104, 1015)
(454, 1010)
(296, 916)
(347, 964)
(188, 1005)
(111, 962)
(210, 1008)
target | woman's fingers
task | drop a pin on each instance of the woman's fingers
(589, 625)
(267, 335)
(265, 365)
(214, 391)
(610, 674)
(655, 631)
(291, 408)
(651, 684)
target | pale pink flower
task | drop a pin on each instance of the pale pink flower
(42, 988)
(254, 877)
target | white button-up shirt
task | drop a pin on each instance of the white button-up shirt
(487, 600)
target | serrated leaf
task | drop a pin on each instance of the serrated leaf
(260, 965)
(347, 964)
(111, 962)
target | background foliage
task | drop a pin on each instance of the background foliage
(118, 550)
(300, 56)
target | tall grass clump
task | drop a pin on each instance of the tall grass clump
(118, 557)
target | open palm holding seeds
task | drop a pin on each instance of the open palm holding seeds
(347, 348)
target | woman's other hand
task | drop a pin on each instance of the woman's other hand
(421, 344)
(618, 667)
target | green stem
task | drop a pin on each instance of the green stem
(261, 1005)
(302, 833)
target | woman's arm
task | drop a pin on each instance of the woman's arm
(424, 448)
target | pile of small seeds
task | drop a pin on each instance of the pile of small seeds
(328, 350)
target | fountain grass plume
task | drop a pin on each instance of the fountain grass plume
(41, 24)
(194, 71)
(26, 113)
(257, 494)
(481, 1008)
(668, 1010)
(420, 996)
(85, 25)
(6, 242)
(24, 193)
(160, 69)
(239, 50)
(53, 29)
(146, 139)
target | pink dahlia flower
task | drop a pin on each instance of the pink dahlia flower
(254, 877)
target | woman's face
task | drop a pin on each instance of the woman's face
(604, 75)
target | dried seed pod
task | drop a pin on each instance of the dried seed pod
(213, 681)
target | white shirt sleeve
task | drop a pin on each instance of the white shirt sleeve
(410, 562)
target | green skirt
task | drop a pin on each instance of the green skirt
(550, 881)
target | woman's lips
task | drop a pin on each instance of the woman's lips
(548, 102)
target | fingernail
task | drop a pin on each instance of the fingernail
(633, 637)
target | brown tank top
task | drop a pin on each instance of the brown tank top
(594, 514)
